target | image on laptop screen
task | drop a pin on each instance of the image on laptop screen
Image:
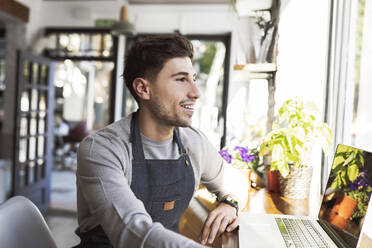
(348, 192)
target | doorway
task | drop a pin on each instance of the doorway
(84, 83)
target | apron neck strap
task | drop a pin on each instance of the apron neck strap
(135, 139)
(177, 138)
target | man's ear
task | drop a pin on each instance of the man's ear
(142, 88)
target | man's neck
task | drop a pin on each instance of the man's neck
(152, 128)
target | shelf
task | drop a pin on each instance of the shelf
(15, 9)
(257, 68)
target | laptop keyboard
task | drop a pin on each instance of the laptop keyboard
(300, 233)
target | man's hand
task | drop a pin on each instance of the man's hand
(220, 219)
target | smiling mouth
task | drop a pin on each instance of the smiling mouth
(188, 107)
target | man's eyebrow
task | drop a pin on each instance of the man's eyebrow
(183, 73)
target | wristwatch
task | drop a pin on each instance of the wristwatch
(232, 202)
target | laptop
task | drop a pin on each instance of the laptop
(341, 215)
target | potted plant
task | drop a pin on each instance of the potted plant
(244, 159)
(290, 145)
(350, 178)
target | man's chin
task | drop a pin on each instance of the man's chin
(178, 120)
(184, 123)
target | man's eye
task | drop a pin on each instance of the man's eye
(181, 79)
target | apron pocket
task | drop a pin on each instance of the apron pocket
(167, 212)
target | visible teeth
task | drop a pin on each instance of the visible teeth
(188, 107)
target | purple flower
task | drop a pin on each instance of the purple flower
(226, 155)
(244, 154)
(241, 149)
(248, 158)
(353, 186)
(360, 182)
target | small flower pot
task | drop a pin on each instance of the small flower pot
(344, 206)
(337, 220)
(272, 181)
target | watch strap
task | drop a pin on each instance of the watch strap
(232, 202)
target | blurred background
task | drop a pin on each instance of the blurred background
(61, 63)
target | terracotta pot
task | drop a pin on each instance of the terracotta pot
(272, 181)
(344, 206)
(342, 211)
(337, 220)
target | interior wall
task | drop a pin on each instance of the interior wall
(34, 18)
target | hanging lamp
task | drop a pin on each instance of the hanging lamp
(123, 26)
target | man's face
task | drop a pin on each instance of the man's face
(174, 93)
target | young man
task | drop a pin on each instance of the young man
(136, 177)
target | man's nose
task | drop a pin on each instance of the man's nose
(194, 91)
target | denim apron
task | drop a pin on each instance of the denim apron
(165, 186)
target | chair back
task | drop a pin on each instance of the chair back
(78, 131)
(22, 225)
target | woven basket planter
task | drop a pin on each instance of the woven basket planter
(297, 184)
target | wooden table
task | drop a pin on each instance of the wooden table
(260, 201)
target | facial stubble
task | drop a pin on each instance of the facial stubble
(161, 113)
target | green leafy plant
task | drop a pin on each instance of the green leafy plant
(293, 137)
(350, 177)
(347, 163)
(362, 196)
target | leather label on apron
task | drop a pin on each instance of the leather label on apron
(168, 205)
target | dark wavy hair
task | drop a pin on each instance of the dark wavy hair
(147, 56)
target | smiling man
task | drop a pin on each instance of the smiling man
(136, 177)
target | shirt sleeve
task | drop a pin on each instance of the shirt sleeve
(221, 178)
(104, 188)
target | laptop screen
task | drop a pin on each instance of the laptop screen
(347, 193)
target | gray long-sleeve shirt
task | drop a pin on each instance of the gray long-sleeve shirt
(104, 175)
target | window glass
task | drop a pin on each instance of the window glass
(247, 109)
(361, 130)
(80, 44)
(83, 90)
(209, 66)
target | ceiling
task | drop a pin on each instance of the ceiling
(155, 1)
(179, 1)
(244, 7)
